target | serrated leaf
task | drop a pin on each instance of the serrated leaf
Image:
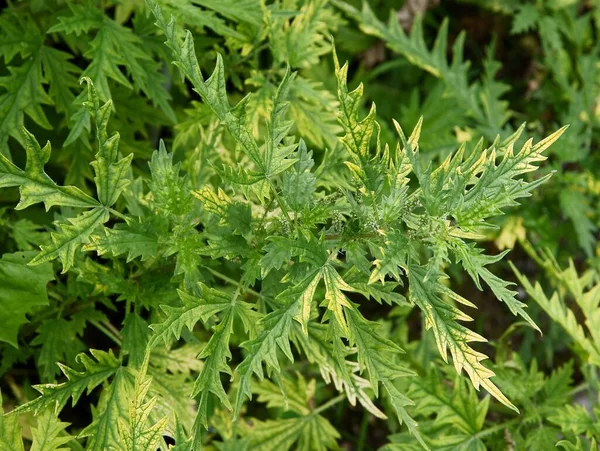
(111, 172)
(304, 292)
(96, 371)
(299, 184)
(112, 46)
(34, 184)
(71, 236)
(10, 431)
(459, 407)
(497, 185)
(135, 339)
(22, 289)
(574, 206)
(335, 301)
(449, 334)
(135, 239)
(376, 355)
(170, 190)
(194, 309)
(238, 10)
(216, 355)
(273, 159)
(138, 433)
(186, 11)
(57, 339)
(525, 19)
(113, 406)
(49, 435)
(25, 94)
(275, 335)
(299, 40)
(454, 73)
(318, 348)
(60, 73)
(306, 429)
(474, 261)
(556, 308)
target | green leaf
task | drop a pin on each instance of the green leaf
(113, 407)
(376, 355)
(49, 434)
(10, 431)
(216, 355)
(335, 301)
(194, 309)
(60, 74)
(335, 369)
(497, 185)
(112, 46)
(82, 20)
(577, 419)
(25, 94)
(380, 293)
(453, 73)
(34, 184)
(22, 289)
(135, 339)
(579, 445)
(358, 131)
(459, 408)
(239, 10)
(56, 395)
(111, 172)
(57, 339)
(306, 429)
(557, 309)
(200, 17)
(302, 39)
(173, 400)
(449, 334)
(275, 334)
(298, 184)
(136, 239)
(138, 433)
(574, 206)
(273, 159)
(525, 19)
(304, 292)
(71, 235)
(475, 263)
(311, 432)
(312, 108)
(170, 191)
(181, 360)
(496, 110)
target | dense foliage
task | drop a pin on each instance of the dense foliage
(240, 251)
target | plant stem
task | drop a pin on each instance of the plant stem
(117, 214)
(231, 281)
(14, 388)
(280, 203)
(107, 328)
(362, 437)
(332, 402)
(494, 429)
(267, 209)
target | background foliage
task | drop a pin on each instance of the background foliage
(241, 251)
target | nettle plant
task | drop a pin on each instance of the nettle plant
(264, 261)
